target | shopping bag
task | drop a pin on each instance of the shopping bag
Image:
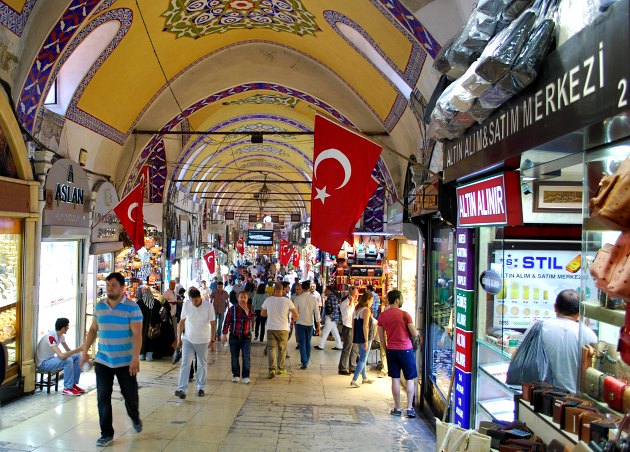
(529, 363)
(451, 438)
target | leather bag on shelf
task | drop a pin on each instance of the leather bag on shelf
(548, 401)
(588, 353)
(614, 391)
(601, 428)
(559, 406)
(451, 438)
(612, 202)
(585, 420)
(607, 358)
(572, 417)
(611, 268)
(594, 383)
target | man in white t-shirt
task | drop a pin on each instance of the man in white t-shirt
(50, 357)
(562, 342)
(277, 309)
(205, 291)
(198, 325)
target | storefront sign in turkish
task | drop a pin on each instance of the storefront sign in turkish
(105, 224)
(583, 82)
(532, 278)
(464, 296)
(494, 201)
(67, 195)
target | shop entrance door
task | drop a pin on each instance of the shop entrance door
(59, 287)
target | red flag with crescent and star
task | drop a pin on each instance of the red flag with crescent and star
(286, 251)
(209, 258)
(240, 246)
(130, 213)
(296, 258)
(343, 163)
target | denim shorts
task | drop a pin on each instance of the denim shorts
(404, 360)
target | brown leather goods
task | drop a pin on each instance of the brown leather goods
(559, 405)
(600, 428)
(548, 401)
(612, 202)
(585, 420)
(619, 284)
(520, 445)
(538, 398)
(603, 264)
(588, 354)
(528, 390)
(613, 392)
(572, 417)
(594, 383)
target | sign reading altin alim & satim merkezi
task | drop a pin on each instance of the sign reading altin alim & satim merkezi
(67, 195)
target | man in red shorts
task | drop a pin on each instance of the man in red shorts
(400, 356)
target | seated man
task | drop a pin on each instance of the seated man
(50, 357)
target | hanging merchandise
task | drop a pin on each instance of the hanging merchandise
(529, 363)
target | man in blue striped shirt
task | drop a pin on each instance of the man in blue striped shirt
(118, 323)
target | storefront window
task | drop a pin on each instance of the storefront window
(10, 265)
(408, 276)
(59, 287)
(441, 327)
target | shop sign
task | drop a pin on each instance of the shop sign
(495, 201)
(491, 282)
(532, 278)
(67, 195)
(464, 318)
(105, 224)
(583, 82)
(463, 396)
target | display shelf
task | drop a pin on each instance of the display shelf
(501, 408)
(487, 370)
(599, 224)
(602, 405)
(594, 311)
(543, 426)
(495, 349)
(366, 266)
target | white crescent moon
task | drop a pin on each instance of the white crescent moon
(132, 206)
(335, 154)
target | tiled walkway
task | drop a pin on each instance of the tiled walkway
(304, 410)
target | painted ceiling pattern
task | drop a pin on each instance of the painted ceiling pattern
(197, 18)
(269, 99)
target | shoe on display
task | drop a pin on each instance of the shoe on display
(104, 441)
(180, 394)
(201, 393)
(70, 392)
(246, 381)
(79, 389)
(137, 425)
(235, 379)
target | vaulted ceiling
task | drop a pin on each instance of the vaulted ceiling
(158, 82)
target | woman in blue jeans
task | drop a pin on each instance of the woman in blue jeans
(363, 333)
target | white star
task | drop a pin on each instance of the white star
(321, 194)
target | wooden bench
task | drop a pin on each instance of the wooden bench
(51, 380)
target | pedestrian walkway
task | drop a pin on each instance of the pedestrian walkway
(304, 410)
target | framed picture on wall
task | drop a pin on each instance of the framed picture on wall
(557, 197)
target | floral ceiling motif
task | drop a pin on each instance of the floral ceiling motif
(259, 99)
(197, 18)
(257, 149)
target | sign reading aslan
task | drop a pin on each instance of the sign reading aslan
(67, 195)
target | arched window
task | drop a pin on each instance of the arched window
(78, 64)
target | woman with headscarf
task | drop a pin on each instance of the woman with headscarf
(150, 318)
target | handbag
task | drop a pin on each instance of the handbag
(613, 392)
(606, 358)
(153, 331)
(588, 353)
(612, 202)
(594, 383)
(611, 268)
(451, 438)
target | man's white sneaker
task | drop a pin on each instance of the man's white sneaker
(246, 381)
(235, 379)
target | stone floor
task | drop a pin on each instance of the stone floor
(313, 409)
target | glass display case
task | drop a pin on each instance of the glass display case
(10, 287)
(600, 311)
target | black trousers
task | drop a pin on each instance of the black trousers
(104, 387)
(259, 331)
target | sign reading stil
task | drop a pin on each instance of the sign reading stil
(495, 201)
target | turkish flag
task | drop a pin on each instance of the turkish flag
(209, 258)
(286, 251)
(296, 258)
(343, 163)
(240, 246)
(129, 212)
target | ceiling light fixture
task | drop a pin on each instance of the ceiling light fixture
(262, 197)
